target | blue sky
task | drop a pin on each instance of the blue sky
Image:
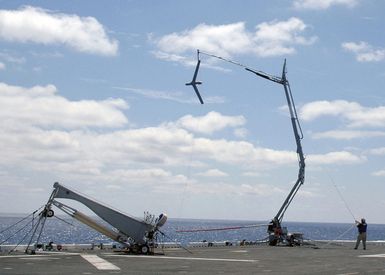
(92, 95)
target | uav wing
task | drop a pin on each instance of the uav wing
(194, 83)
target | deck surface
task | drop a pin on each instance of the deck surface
(261, 259)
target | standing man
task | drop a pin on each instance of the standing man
(361, 233)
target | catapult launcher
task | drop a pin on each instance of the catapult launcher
(135, 235)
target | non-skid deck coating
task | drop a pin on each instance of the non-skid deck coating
(330, 259)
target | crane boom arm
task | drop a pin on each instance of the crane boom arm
(297, 135)
(294, 121)
(301, 158)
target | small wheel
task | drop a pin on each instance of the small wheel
(50, 213)
(273, 240)
(144, 249)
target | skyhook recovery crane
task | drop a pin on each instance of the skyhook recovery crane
(277, 233)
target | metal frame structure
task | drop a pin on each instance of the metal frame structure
(276, 234)
(135, 235)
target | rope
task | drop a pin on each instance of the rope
(9, 227)
(342, 198)
(220, 229)
(23, 239)
(34, 231)
(41, 229)
(16, 232)
(181, 246)
(186, 185)
(71, 224)
(222, 58)
(258, 72)
(339, 237)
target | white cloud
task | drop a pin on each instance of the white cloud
(339, 158)
(172, 96)
(48, 134)
(2, 66)
(316, 109)
(364, 52)
(251, 174)
(354, 113)
(37, 140)
(260, 190)
(210, 123)
(32, 24)
(241, 132)
(174, 58)
(156, 94)
(221, 39)
(380, 173)
(378, 151)
(322, 4)
(11, 58)
(279, 37)
(308, 194)
(169, 145)
(42, 106)
(242, 153)
(186, 61)
(213, 173)
(273, 38)
(347, 134)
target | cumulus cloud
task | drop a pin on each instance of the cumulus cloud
(243, 153)
(273, 38)
(36, 25)
(380, 173)
(354, 113)
(2, 66)
(169, 145)
(322, 4)
(364, 52)
(378, 151)
(260, 190)
(78, 141)
(340, 158)
(279, 37)
(47, 132)
(347, 134)
(213, 173)
(221, 39)
(171, 96)
(210, 123)
(241, 132)
(11, 58)
(42, 106)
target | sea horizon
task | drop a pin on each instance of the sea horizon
(64, 229)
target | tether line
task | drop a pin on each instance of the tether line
(342, 198)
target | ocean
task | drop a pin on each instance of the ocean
(69, 231)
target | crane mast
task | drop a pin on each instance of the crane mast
(276, 234)
(297, 135)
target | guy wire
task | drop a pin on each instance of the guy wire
(222, 58)
(339, 237)
(342, 198)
